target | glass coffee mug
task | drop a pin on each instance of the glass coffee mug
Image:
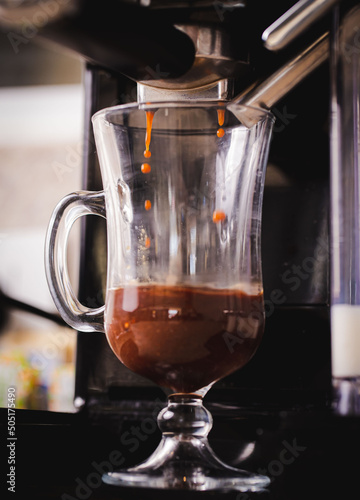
(182, 196)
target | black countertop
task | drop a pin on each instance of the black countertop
(309, 454)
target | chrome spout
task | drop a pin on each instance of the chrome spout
(268, 92)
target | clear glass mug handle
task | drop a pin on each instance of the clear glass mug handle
(68, 210)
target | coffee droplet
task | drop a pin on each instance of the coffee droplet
(145, 168)
(218, 216)
(147, 242)
(221, 117)
(220, 132)
(147, 205)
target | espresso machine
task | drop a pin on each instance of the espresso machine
(276, 55)
(225, 56)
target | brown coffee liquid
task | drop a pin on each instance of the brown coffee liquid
(183, 338)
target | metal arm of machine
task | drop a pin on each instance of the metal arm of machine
(296, 20)
(268, 92)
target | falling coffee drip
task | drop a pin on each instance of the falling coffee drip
(146, 167)
(218, 215)
(149, 121)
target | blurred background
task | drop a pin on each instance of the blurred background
(41, 116)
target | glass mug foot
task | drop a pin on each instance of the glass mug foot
(184, 459)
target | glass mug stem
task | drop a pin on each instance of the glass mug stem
(68, 210)
(184, 459)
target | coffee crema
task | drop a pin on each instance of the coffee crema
(183, 338)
